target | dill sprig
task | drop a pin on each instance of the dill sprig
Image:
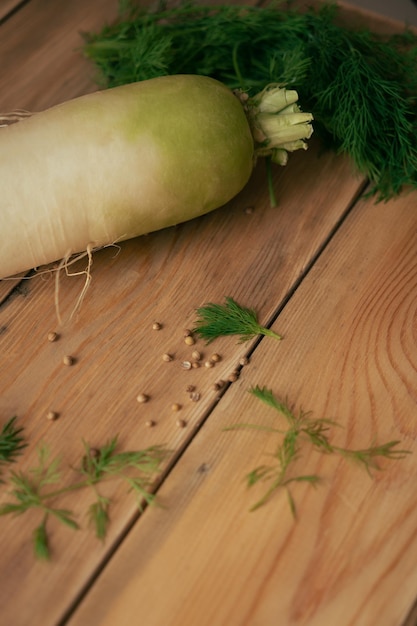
(302, 428)
(32, 489)
(11, 442)
(361, 87)
(216, 320)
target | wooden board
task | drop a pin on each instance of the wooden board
(349, 558)
(336, 275)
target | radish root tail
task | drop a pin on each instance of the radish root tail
(6, 119)
(66, 262)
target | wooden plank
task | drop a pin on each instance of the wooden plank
(349, 353)
(42, 65)
(8, 6)
(255, 257)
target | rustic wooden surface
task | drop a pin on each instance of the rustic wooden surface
(335, 274)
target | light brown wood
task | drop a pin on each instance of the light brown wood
(348, 354)
(41, 52)
(345, 270)
(162, 277)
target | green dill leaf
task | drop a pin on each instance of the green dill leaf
(266, 396)
(291, 502)
(216, 320)
(10, 507)
(11, 442)
(64, 516)
(99, 517)
(259, 473)
(311, 479)
(47, 471)
(40, 542)
(368, 457)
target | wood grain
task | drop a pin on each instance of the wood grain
(161, 277)
(41, 52)
(8, 6)
(345, 271)
(349, 353)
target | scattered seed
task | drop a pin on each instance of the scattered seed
(176, 407)
(244, 360)
(186, 365)
(189, 340)
(209, 364)
(249, 210)
(233, 377)
(150, 423)
(187, 332)
(215, 358)
(190, 388)
(142, 398)
(53, 336)
(68, 360)
(195, 364)
(194, 396)
(94, 453)
(217, 386)
(167, 357)
(52, 415)
(196, 355)
(156, 326)
(181, 423)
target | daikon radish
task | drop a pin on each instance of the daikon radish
(126, 161)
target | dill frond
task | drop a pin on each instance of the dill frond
(31, 489)
(216, 320)
(302, 428)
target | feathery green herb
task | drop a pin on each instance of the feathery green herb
(302, 428)
(32, 489)
(11, 442)
(360, 87)
(216, 320)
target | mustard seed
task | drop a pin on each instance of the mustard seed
(209, 364)
(52, 415)
(233, 377)
(189, 340)
(176, 407)
(195, 364)
(215, 358)
(68, 360)
(244, 360)
(156, 326)
(150, 423)
(53, 336)
(187, 332)
(167, 357)
(181, 423)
